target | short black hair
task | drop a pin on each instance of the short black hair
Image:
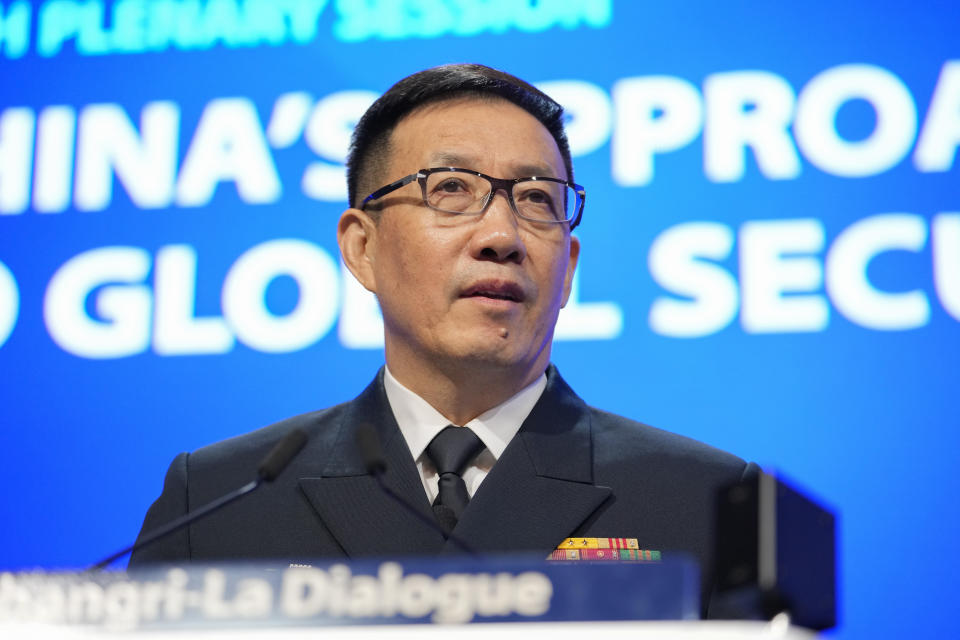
(370, 144)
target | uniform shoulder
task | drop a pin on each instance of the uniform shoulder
(249, 448)
(616, 436)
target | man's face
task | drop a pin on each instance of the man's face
(474, 291)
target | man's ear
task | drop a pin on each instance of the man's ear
(357, 237)
(571, 267)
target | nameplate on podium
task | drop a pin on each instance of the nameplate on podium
(406, 591)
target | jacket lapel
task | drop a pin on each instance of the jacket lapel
(541, 489)
(364, 520)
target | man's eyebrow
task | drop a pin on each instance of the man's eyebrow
(448, 159)
(539, 170)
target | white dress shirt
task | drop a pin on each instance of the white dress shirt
(419, 423)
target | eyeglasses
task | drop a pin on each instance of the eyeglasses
(452, 190)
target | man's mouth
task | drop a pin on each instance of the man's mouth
(495, 290)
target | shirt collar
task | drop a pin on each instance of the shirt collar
(419, 422)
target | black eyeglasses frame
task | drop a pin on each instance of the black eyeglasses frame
(497, 183)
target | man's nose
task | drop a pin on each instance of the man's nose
(498, 235)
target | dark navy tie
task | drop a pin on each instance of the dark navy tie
(451, 451)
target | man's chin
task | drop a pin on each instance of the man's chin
(494, 354)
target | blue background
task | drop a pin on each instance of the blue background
(864, 419)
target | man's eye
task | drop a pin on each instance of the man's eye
(451, 186)
(535, 196)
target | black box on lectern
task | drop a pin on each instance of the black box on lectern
(776, 553)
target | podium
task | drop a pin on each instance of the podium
(719, 630)
(408, 598)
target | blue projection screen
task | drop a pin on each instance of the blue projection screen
(770, 263)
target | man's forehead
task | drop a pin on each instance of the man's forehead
(456, 147)
(521, 167)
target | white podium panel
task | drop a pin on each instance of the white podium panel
(687, 630)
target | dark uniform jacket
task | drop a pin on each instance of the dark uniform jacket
(571, 471)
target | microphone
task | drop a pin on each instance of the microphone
(271, 467)
(368, 443)
(280, 456)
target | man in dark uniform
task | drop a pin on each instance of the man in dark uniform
(462, 204)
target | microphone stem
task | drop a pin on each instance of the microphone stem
(185, 519)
